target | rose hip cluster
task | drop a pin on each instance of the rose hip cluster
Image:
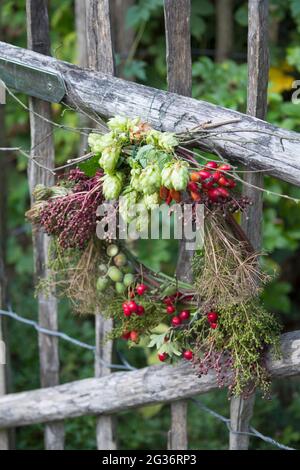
(211, 183)
(130, 307)
(177, 320)
(212, 318)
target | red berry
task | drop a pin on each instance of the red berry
(134, 336)
(223, 192)
(231, 184)
(176, 321)
(195, 177)
(224, 167)
(168, 301)
(127, 311)
(170, 309)
(131, 294)
(140, 310)
(195, 196)
(188, 355)
(204, 175)
(212, 317)
(193, 186)
(132, 306)
(184, 315)
(162, 356)
(213, 194)
(213, 325)
(126, 335)
(211, 165)
(141, 289)
(216, 176)
(223, 181)
(207, 184)
(125, 305)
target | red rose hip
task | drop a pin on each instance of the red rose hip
(132, 306)
(170, 309)
(184, 315)
(188, 355)
(212, 317)
(140, 310)
(176, 321)
(162, 356)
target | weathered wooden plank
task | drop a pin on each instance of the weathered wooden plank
(258, 72)
(43, 149)
(256, 146)
(127, 390)
(179, 78)
(100, 57)
(224, 29)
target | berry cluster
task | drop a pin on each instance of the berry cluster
(211, 181)
(131, 307)
(212, 318)
(221, 362)
(72, 218)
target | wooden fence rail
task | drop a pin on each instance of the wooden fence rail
(126, 390)
(267, 147)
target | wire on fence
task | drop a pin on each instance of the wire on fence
(126, 366)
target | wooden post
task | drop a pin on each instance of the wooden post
(224, 29)
(258, 72)
(100, 58)
(179, 76)
(43, 149)
(4, 436)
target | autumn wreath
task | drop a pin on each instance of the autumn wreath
(217, 321)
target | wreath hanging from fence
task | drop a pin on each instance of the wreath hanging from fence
(218, 321)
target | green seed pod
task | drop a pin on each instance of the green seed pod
(128, 280)
(115, 274)
(119, 286)
(102, 283)
(112, 250)
(102, 268)
(120, 260)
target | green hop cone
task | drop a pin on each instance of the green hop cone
(98, 142)
(151, 201)
(127, 205)
(167, 141)
(180, 176)
(150, 179)
(175, 175)
(109, 158)
(135, 179)
(41, 192)
(112, 185)
(121, 124)
(166, 175)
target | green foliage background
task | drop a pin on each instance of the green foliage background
(223, 84)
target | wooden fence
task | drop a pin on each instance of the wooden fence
(95, 91)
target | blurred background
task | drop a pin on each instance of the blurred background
(219, 42)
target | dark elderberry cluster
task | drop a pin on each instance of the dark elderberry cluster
(220, 362)
(72, 218)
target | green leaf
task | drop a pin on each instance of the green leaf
(90, 166)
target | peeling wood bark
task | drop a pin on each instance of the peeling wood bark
(179, 78)
(108, 96)
(126, 390)
(258, 73)
(43, 149)
(100, 57)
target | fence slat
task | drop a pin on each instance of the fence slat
(274, 150)
(258, 72)
(100, 58)
(127, 390)
(43, 149)
(179, 77)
